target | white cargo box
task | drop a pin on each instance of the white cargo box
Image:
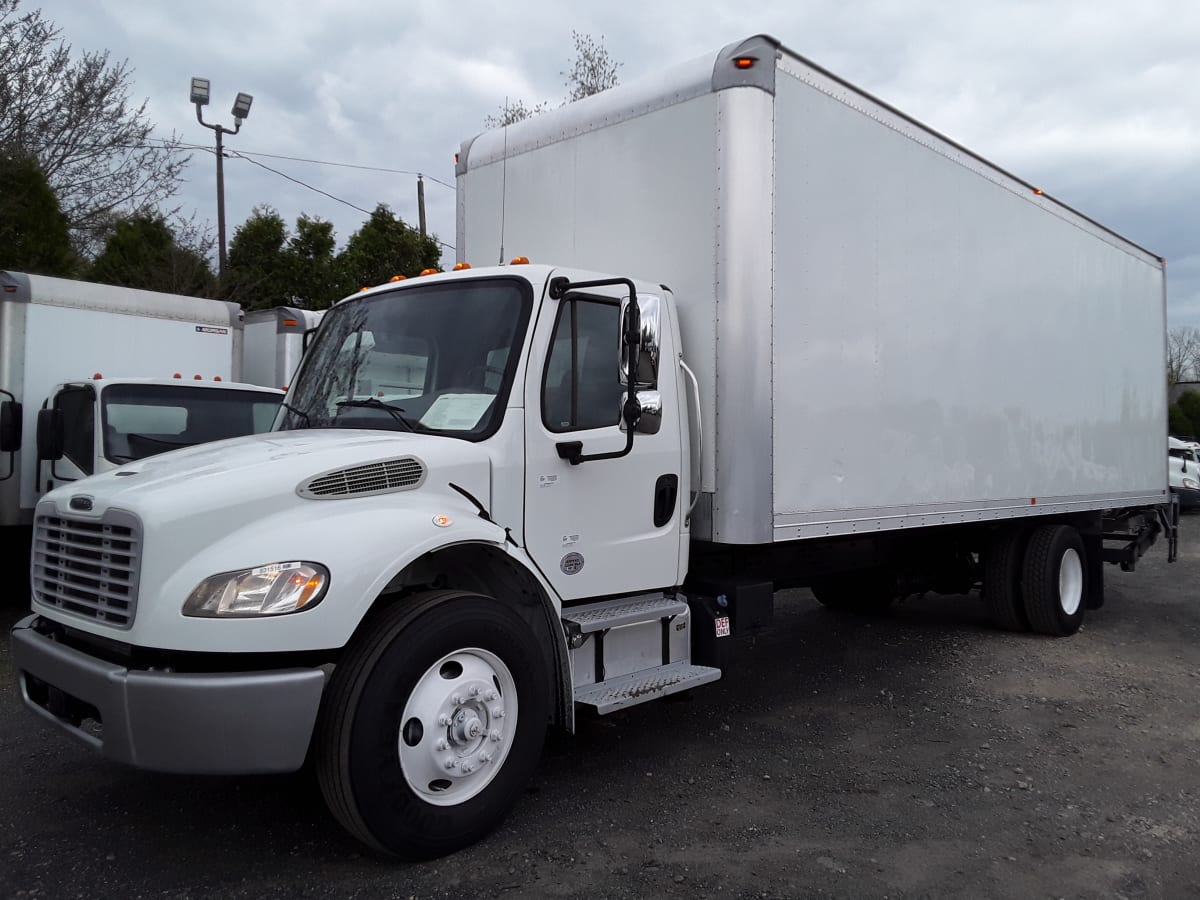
(889, 331)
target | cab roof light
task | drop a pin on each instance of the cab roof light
(197, 378)
(365, 287)
(430, 272)
(744, 62)
(290, 323)
(176, 375)
(216, 378)
(1038, 191)
(399, 278)
(458, 267)
(96, 376)
(519, 261)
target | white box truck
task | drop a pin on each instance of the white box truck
(274, 342)
(499, 494)
(74, 361)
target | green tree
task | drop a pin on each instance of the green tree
(256, 275)
(74, 115)
(312, 275)
(142, 252)
(34, 235)
(1178, 423)
(1189, 405)
(384, 246)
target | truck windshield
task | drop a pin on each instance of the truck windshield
(436, 358)
(141, 420)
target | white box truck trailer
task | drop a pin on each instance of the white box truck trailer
(74, 357)
(274, 342)
(498, 494)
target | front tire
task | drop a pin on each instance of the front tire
(433, 724)
(1055, 580)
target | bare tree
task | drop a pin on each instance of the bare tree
(592, 70)
(74, 115)
(1183, 354)
(513, 111)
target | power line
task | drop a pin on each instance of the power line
(318, 162)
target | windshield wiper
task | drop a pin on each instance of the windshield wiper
(376, 403)
(299, 412)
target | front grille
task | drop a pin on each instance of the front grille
(88, 567)
(374, 478)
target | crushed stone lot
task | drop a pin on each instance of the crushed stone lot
(919, 754)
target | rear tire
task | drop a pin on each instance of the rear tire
(1055, 580)
(446, 677)
(1002, 573)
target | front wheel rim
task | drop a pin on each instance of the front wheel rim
(1070, 582)
(458, 726)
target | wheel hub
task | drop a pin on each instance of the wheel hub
(457, 726)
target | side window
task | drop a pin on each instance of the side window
(581, 387)
(79, 426)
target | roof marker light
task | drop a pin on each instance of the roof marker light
(96, 376)
(176, 375)
(216, 378)
(197, 378)
(744, 62)
(290, 323)
(519, 261)
(458, 267)
(1038, 191)
(429, 272)
(399, 278)
(365, 287)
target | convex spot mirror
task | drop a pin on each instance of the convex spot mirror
(646, 351)
(645, 416)
(50, 435)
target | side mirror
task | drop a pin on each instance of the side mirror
(10, 426)
(646, 416)
(307, 337)
(645, 354)
(50, 434)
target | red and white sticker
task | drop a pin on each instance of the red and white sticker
(722, 625)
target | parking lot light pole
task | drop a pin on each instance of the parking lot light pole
(241, 109)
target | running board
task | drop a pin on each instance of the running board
(616, 613)
(640, 687)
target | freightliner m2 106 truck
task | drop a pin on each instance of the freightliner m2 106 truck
(499, 495)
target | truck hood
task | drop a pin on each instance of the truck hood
(252, 476)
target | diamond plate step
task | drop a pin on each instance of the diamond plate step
(630, 690)
(615, 613)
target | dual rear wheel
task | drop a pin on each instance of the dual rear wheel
(1037, 580)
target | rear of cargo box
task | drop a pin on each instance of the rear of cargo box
(889, 332)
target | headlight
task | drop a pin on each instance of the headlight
(269, 590)
(1190, 483)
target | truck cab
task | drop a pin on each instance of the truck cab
(97, 425)
(1183, 466)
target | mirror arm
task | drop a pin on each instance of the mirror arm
(572, 451)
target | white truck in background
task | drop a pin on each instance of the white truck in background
(499, 494)
(75, 396)
(274, 341)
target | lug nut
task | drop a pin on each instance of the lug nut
(467, 768)
(492, 695)
(485, 757)
(457, 700)
(495, 735)
(451, 763)
(474, 690)
(443, 719)
(442, 745)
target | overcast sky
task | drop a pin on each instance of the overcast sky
(1097, 101)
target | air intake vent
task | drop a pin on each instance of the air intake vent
(402, 474)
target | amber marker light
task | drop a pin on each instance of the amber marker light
(399, 278)
(519, 261)
(744, 62)
(458, 267)
(429, 271)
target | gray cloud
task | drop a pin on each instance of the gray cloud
(1094, 102)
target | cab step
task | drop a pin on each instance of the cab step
(640, 687)
(618, 613)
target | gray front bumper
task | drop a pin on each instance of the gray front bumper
(224, 723)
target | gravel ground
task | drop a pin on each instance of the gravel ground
(917, 755)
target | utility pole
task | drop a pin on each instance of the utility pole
(421, 203)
